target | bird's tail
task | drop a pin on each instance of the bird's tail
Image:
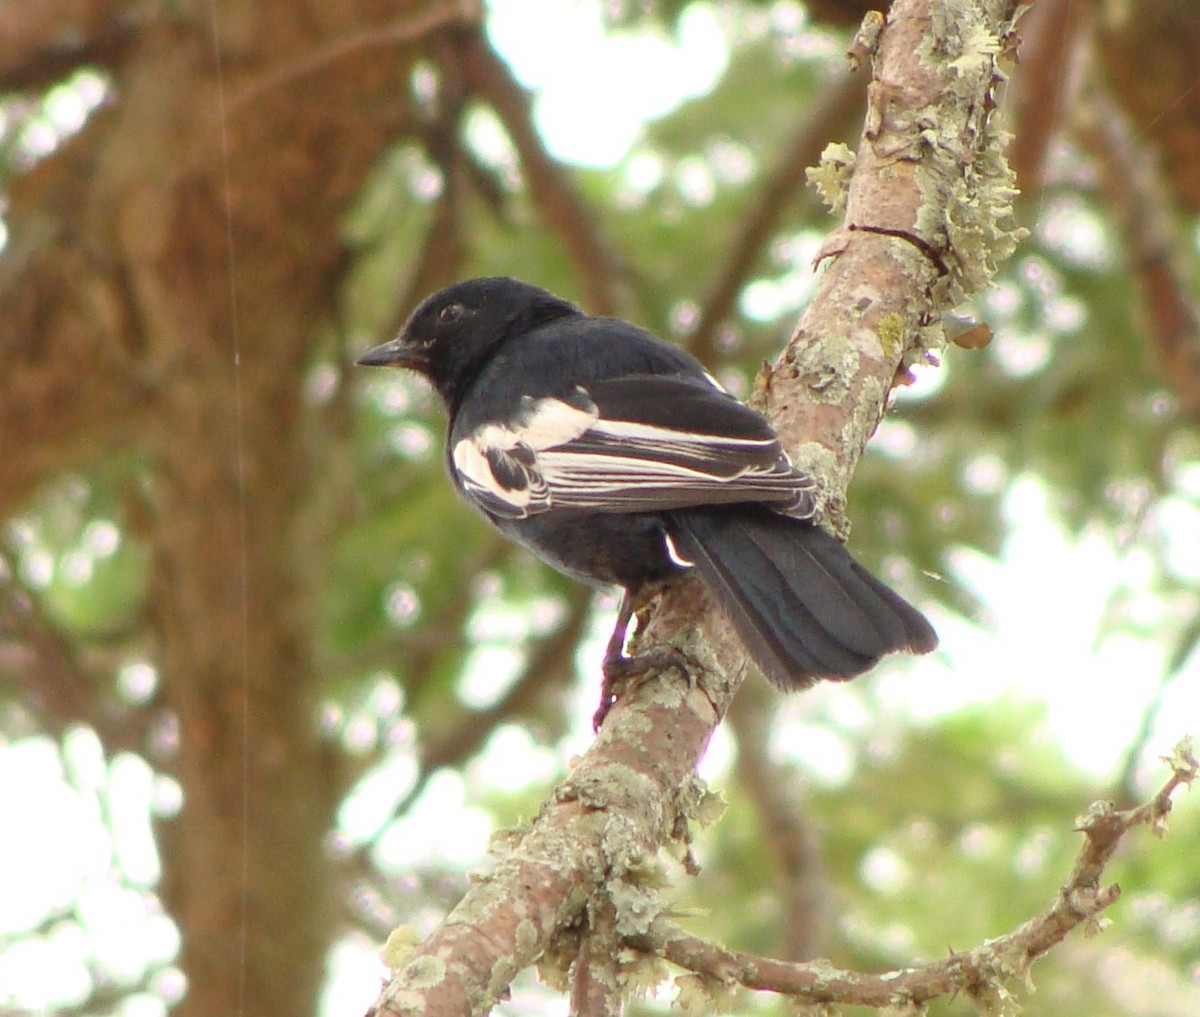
(804, 608)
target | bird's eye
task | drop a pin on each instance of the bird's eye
(451, 313)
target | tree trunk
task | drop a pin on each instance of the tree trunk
(166, 273)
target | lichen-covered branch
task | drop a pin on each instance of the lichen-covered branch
(602, 828)
(928, 217)
(982, 972)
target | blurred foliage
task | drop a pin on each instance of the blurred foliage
(941, 832)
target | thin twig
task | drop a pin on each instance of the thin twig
(596, 990)
(979, 972)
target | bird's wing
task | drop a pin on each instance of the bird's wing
(638, 443)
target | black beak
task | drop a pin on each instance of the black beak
(398, 352)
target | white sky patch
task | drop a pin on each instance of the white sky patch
(40, 972)
(1046, 637)
(512, 761)
(370, 805)
(131, 785)
(439, 829)
(489, 672)
(55, 839)
(1048, 599)
(884, 870)
(1065, 224)
(771, 297)
(491, 142)
(353, 976)
(718, 758)
(1179, 522)
(826, 756)
(596, 90)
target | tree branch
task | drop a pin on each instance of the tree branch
(61, 304)
(980, 972)
(602, 827)
(928, 216)
(1140, 204)
(596, 989)
(40, 43)
(404, 31)
(1046, 85)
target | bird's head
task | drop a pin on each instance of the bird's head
(453, 333)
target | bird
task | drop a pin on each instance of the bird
(616, 458)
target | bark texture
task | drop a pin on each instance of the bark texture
(166, 274)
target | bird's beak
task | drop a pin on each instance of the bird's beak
(398, 352)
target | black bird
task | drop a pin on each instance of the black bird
(618, 460)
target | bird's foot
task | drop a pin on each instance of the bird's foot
(619, 670)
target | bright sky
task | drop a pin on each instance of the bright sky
(595, 90)
(1047, 597)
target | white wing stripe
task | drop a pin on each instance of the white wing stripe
(568, 467)
(556, 453)
(548, 422)
(665, 435)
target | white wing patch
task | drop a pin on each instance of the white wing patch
(559, 454)
(499, 465)
(546, 423)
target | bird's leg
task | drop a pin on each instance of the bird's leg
(614, 659)
(618, 668)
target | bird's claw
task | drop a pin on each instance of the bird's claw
(619, 669)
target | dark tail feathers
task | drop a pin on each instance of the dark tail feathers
(803, 607)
